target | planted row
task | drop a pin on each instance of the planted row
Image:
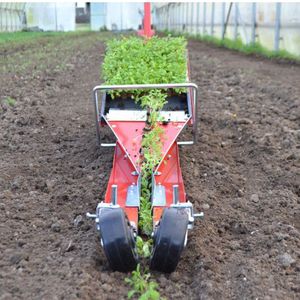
(137, 61)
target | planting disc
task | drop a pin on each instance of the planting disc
(118, 239)
(169, 240)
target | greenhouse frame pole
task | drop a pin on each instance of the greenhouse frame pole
(198, 13)
(253, 25)
(277, 27)
(204, 18)
(236, 7)
(212, 20)
(223, 19)
(227, 20)
(187, 17)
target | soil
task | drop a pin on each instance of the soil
(244, 173)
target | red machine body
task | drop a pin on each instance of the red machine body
(126, 165)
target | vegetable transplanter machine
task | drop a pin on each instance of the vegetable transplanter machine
(117, 215)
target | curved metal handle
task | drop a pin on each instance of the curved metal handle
(147, 86)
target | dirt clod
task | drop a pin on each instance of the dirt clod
(56, 227)
(286, 260)
(78, 221)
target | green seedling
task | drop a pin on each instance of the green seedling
(10, 101)
(133, 60)
(144, 248)
(142, 286)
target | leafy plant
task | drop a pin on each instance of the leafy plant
(152, 152)
(133, 60)
(142, 286)
(144, 248)
(10, 101)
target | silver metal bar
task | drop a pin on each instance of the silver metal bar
(89, 215)
(192, 17)
(185, 143)
(168, 16)
(236, 7)
(147, 86)
(227, 21)
(108, 144)
(175, 194)
(187, 17)
(223, 19)
(204, 18)
(199, 215)
(198, 13)
(96, 104)
(253, 24)
(182, 16)
(212, 19)
(277, 27)
(114, 194)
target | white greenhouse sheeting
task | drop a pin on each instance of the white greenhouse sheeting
(60, 16)
(98, 15)
(116, 16)
(51, 16)
(124, 15)
(12, 16)
(276, 26)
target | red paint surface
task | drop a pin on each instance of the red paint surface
(127, 160)
(146, 32)
(121, 175)
(170, 174)
(130, 133)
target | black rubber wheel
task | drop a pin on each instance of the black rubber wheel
(169, 240)
(118, 239)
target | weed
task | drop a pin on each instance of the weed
(10, 101)
(142, 286)
(238, 45)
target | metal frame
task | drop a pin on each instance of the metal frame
(277, 27)
(103, 88)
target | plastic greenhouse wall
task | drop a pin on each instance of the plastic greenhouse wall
(12, 16)
(53, 16)
(276, 26)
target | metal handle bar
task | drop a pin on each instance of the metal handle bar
(146, 86)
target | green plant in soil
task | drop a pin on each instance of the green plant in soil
(142, 286)
(10, 101)
(144, 247)
(152, 150)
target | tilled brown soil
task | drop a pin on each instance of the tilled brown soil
(244, 173)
